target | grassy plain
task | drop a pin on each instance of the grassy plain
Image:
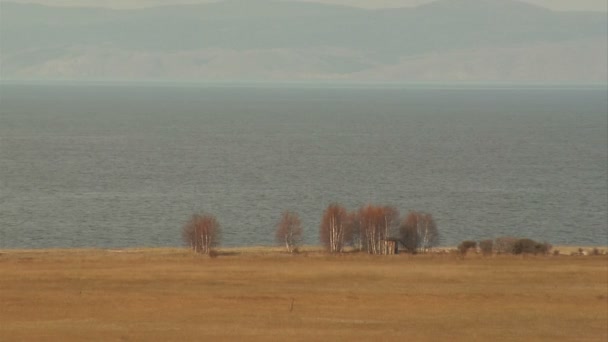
(261, 294)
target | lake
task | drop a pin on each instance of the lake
(125, 165)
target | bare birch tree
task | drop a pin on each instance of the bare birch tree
(427, 230)
(377, 224)
(334, 228)
(370, 227)
(289, 230)
(419, 232)
(354, 230)
(201, 233)
(390, 220)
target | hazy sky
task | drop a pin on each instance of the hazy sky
(586, 5)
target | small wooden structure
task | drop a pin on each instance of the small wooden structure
(390, 246)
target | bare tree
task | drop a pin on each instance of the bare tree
(289, 230)
(334, 228)
(427, 230)
(419, 231)
(354, 235)
(370, 217)
(201, 233)
(390, 220)
(376, 224)
(409, 232)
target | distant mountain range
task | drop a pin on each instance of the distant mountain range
(443, 41)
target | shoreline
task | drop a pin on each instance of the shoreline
(260, 250)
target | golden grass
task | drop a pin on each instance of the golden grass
(263, 294)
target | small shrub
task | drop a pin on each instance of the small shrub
(486, 247)
(464, 246)
(556, 252)
(455, 251)
(595, 251)
(504, 244)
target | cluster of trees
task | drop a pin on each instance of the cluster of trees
(505, 245)
(369, 228)
(201, 233)
(366, 229)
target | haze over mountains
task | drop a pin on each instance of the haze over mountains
(262, 40)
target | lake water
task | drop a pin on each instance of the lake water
(126, 165)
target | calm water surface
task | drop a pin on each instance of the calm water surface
(126, 165)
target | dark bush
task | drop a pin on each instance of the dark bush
(418, 232)
(529, 246)
(543, 248)
(464, 246)
(524, 246)
(486, 246)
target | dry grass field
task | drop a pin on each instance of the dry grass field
(260, 294)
